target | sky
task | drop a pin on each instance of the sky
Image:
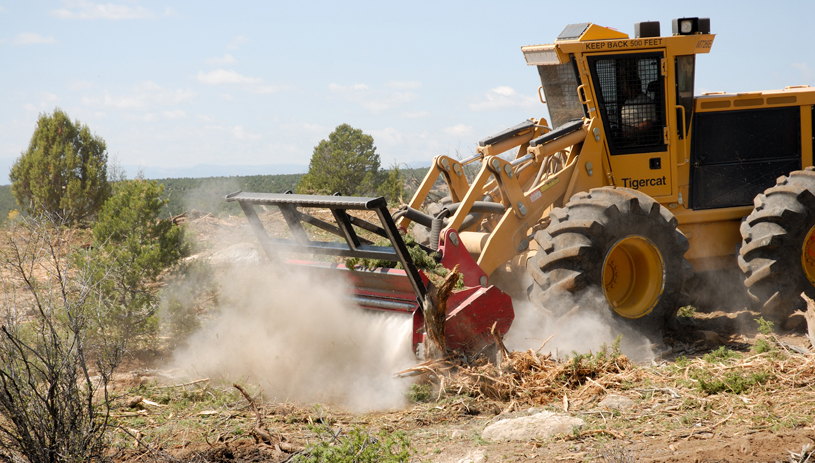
(255, 85)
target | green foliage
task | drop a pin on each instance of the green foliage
(765, 327)
(190, 291)
(429, 262)
(393, 186)
(346, 163)
(687, 311)
(593, 362)
(63, 171)
(139, 247)
(762, 345)
(357, 446)
(720, 354)
(206, 195)
(419, 393)
(733, 381)
(50, 409)
(7, 202)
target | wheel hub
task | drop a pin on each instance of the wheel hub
(808, 256)
(633, 276)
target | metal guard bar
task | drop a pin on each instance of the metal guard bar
(354, 245)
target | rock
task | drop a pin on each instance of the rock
(538, 426)
(457, 433)
(421, 234)
(619, 402)
(433, 209)
(476, 456)
(134, 402)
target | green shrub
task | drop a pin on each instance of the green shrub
(357, 446)
(419, 393)
(732, 381)
(138, 246)
(720, 354)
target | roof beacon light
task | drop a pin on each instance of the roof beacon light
(688, 26)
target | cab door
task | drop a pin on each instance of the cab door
(631, 98)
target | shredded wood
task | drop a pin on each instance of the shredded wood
(726, 387)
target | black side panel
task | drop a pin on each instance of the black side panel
(736, 155)
(564, 129)
(507, 134)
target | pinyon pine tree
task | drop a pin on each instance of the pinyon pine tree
(346, 163)
(63, 171)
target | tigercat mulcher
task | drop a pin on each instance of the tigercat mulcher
(632, 185)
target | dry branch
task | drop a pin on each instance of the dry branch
(184, 384)
(810, 318)
(259, 432)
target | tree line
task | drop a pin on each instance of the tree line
(101, 295)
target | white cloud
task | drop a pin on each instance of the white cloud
(46, 103)
(143, 117)
(389, 101)
(504, 91)
(79, 85)
(458, 130)
(142, 97)
(221, 76)
(226, 59)
(242, 134)
(170, 11)
(806, 71)
(30, 38)
(416, 114)
(339, 88)
(314, 128)
(503, 97)
(387, 136)
(237, 42)
(304, 127)
(83, 9)
(373, 100)
(264, 89)
(175, 114)
(404, 85)
(227, 97)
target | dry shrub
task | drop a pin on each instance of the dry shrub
(528, 377)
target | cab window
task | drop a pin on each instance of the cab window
(630, 92)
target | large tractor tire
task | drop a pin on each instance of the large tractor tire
(619, 247)
(777, 254)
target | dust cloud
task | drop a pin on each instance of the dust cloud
(582, 324)
(300, 338)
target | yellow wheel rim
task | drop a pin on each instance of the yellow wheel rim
(808, 256)
(633, 276)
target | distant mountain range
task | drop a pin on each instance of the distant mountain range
(212, 170)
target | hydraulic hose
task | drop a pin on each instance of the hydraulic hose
(436, 226)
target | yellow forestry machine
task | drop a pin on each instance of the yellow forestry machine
(633, 185)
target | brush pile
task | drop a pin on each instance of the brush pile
(530, 378)
(767, 387)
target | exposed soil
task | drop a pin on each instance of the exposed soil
(669, 421)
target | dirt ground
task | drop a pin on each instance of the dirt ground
(764, 425)
(670, 419)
